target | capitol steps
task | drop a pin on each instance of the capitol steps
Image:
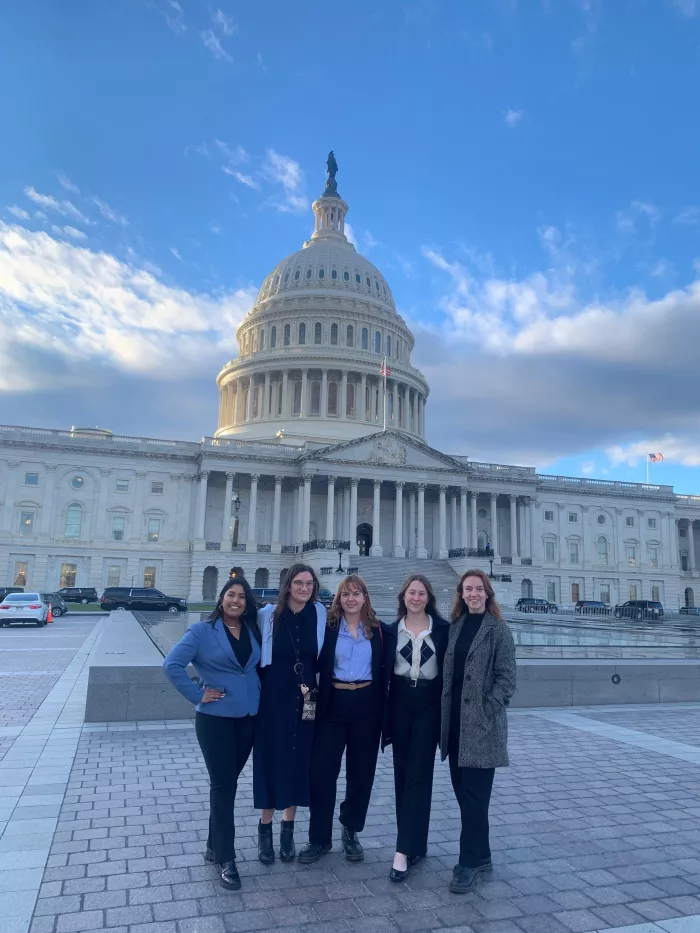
(384, 577)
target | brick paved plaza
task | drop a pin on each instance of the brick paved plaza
(596, 826)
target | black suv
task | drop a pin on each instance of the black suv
(142, 599)
(530, 604)
(4, 590)
(592, 607)
(78, 594)
(639, 609)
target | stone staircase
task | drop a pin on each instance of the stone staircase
(384, 577)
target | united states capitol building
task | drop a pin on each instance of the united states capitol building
(301, 462)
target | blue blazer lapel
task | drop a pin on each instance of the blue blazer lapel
(224, 642)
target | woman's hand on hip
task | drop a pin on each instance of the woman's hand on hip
(211, 694)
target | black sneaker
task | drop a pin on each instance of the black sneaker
(463, 879)
(313, 852)
(352, 849)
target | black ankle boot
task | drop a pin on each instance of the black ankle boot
(266, 852)
(288, 850)
(229, 877)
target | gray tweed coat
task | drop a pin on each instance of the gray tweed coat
(489, 683)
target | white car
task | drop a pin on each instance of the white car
(23, 607)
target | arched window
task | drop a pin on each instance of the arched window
(309, 273)
(601, 548)
(322, 273)
(376, 285)
(261, 340)
(350, 339)
(287, 334)
(302, 333)
(273, 337)
(334, 335)
(333, 398)
(286, 277)
(297, 275)
(377, 342)
(482, 540)
(315, 398)
(296, 407)
(346, 276)
(365, 339)
(350, 403)
(279, 399)
(317, 333)
(74, 521)
(368, 283)
(334, 274)
(388, 345)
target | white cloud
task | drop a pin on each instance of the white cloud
(287, 172)
(628, 219)
(350, 234)
(661, 268)
(261, 62)
(369, 241)
(225, 23)
(588, 467)
(689, 216)
(679, 449)
(69, 231)
(66, 208)
(212, 42)
(18, 212)
(173, 14)
(66, 183)
(513, 117)
(109, 213)
(214, 227)
(89, 309)
(176, 254)
(233, 156)
(688, 8)
(241, 177)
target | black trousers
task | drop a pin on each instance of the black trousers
(415, 732)
(472, 787)
(226, 744)
(351, 725)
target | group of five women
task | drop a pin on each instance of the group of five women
(300, 687)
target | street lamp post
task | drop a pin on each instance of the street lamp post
(340, 561)
(489, 551)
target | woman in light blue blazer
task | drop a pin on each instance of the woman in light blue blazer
(225, 652)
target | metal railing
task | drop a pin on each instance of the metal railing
(264, 548)
(238, 547)
(506, 560)
(290, 548)
(213, 545)
(526, 561)
(321, 544)
(470, 552)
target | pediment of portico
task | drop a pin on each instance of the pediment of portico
(388, 449)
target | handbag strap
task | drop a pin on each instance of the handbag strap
(299, 666)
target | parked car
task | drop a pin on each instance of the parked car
(25, 608)
(690, 610)
(531, 604)
(58, 604)
(142, 599)
(326, 597)
(639, 609)
(265, 596)
(592, 607)
(78, 594)
(4, 590)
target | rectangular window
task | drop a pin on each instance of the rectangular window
(654, 556)
(605, 593)
(68, 574)
(549, 550)
(26, 524)
(573, 552)
(156, 489)
(31, 479)
(631, 552)
(149, 577)
(74, 521)
(153, 530)
(682, 533)
(655, 593)
(633, 591)
(573, 517)
(548, 515)
(575, 591)
(118, 528)
(122, 485)
(21, 571)
(651, 523)
(551, 591)
(629, 521)
(114, 572)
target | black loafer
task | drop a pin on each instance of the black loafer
(352, 849)
(229, 877)
(463, 879)
(313, 852)
(397, 875)
(208, 855)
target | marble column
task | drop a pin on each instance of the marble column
(240, 414)
(514, 527)
(307, 508)
(285, 394)
(421, 551)
(394, 420)
(376, 549)
(348, 535)
(463, 531)
(324, 393)
(494, 524)
(226, 522)
(691, 546)
(251, 545)
(267, 401)
(276, 545)
(361, 408)
(534, 550)
(330, 507)
(299, 535)
(473, 536)
(340, 513)
(398, 517)
(443, 524)
(249, 407)
(354, 548)
(412, 523)
(453, 520)
(199, 516)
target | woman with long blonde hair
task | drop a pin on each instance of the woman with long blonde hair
(348, 719)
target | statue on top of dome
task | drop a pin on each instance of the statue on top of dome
(331, 189)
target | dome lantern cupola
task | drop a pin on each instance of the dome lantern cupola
(330, 209)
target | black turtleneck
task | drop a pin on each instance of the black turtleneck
(470, 626)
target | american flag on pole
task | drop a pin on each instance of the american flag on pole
(384, 369)
(655, 458)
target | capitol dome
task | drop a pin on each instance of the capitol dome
(312, 346)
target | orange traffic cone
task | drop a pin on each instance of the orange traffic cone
(49, 617)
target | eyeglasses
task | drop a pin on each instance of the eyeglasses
(305, 583)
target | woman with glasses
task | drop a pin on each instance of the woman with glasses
(292, 637)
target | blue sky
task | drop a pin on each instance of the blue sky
(524, 173)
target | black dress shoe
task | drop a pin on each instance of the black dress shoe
(229, 877)
(266, 852)
(288, 850)
(397, 875)
(463, 879)
(313, 852)
(208, 855)
(352, 849)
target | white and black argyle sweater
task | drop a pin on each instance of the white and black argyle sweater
(415, 654)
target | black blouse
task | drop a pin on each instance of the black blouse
(242, 647)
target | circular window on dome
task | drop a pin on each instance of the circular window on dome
(358, 278)
(297, 275)
(321, 273)
(482, 513)
(346, 275)
(308, 273)
(334, 274)
(77, 482)
(601, 519)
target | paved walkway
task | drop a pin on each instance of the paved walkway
(595, 827)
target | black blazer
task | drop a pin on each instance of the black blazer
(326, 663)
(439, 635)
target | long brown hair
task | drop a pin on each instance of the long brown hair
(430, 606)
(286, 587)
(459, 607)
(368, 615)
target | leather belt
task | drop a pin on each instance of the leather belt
(344, 685)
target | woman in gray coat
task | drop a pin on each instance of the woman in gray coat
(478, 682)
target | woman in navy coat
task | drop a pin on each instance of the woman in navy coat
(225, 652)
